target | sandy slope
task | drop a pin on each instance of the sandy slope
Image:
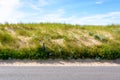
(58, 62)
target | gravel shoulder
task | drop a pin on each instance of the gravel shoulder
(59, 62)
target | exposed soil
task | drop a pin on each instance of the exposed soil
(59, 62)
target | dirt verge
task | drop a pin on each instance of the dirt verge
(59, 62)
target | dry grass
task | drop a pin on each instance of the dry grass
(71, 38)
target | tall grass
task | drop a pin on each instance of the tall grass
(64, 41)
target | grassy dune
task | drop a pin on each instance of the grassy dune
(45, 40)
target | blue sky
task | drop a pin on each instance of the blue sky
(90, 12)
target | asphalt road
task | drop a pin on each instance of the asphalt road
(59, 73)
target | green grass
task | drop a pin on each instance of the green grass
(65, 41)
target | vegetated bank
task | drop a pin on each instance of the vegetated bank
(55, 40)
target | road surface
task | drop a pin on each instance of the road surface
(59, 73)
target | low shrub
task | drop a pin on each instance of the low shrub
(91, 34)
(101, 38)
(6, 38)
(109, 52)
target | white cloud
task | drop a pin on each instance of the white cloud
(99, 2)
(56, 16)
(7, 7)
(38, 4)
(43, 2)
(100, 19)
(35, 7)
(8, 10)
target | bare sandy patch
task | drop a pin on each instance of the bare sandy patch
(106, 34)
(11, 31)
(85, 39)
(24, 41)
(60, 32)
(90, 42)
(59, 41)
